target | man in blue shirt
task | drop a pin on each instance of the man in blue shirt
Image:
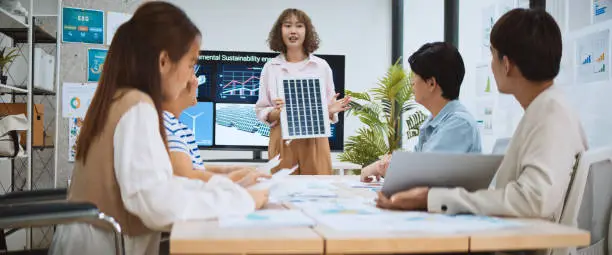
(438, 72)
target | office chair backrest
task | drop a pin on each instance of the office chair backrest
(589, 200)
(610, 236)
(499, 148)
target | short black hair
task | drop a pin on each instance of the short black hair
(442, 61)
(531, 39)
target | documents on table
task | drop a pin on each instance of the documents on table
(374, 186)
(412, 221)
(269, 218)
(317, 202)
(291, 190)
(357, 214)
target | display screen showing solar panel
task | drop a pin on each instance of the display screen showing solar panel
(305, 114)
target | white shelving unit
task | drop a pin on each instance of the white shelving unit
(9, 20)
(25, 32)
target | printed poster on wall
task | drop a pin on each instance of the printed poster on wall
(95, 59)
(593, 61)
(82, 26)
(484, 115)
(74, 129)
(488, 19)
(485, 82)
(76, 98)
(601, 10)
(113, 21)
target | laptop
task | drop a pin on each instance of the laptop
(415, 169)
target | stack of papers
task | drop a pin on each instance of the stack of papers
(269, 218)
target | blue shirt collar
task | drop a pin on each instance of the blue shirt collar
(450, 107)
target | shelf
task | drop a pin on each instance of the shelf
(40, 147)
(20, 35)
(12, 90)
(9, 20)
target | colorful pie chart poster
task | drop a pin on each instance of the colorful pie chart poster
(95, 59)
(76, 98)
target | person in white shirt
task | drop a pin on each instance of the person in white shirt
(184, 152)
(534, 175)
(122, 164)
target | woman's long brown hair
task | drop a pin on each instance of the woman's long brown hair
(133, 62)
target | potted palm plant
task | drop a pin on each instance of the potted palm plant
(381, 110)
(5, 59)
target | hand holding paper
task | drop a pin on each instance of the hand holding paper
(249, 177)
(267, 167)
(278, 176)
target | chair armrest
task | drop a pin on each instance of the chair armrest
(52, 213)
(33, 196)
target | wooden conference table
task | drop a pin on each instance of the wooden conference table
(206, 237)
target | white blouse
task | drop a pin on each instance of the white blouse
(150, 191)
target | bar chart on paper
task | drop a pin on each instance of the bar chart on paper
(601, 11)
(592, 59)
(238, 83)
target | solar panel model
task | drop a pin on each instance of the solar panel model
(305, 114)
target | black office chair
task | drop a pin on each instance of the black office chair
(38, 208)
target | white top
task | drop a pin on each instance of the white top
(181, 139)
(150, 191)
(534, 175)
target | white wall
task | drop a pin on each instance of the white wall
(590, 100)
(423, 23)
(360, 30)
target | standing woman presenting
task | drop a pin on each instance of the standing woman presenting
(294, 36)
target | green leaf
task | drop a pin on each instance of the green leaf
(381, 110)
(409, 106)
(359, 95)
(413, 124)
(364, 148)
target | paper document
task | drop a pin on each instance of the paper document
(413, 221)
(292, 190)
(269, 218)
(278, 176)
(338, 206)
(267, 167)
(374, 186)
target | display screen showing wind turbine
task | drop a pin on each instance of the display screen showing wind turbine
(228, 88)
